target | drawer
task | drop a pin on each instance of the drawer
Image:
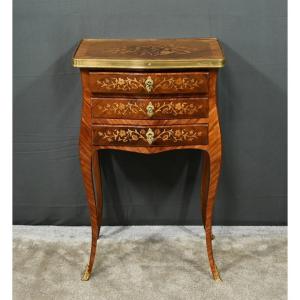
(145, 109)
(149, 83)
(150, 136)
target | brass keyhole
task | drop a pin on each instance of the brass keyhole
(150, 109)
(149, 84)
(150, 136)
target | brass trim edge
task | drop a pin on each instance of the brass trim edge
(148, 64)
(151, 39)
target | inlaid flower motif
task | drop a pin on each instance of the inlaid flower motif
(177, 133)
(178, 106)
(122, 133)
(121, 81)
(166, 51)
(122, 106)
(178, 81)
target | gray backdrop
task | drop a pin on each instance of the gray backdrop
(163, 188)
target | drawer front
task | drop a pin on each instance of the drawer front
(150, 136)
(145, 109)
(149, 83)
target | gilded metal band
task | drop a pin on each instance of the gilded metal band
(148, 64)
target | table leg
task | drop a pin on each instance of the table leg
(213, 166)
(98, 189)
(86, 160)
(204, 187)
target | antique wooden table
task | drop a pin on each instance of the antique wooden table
(149, 96)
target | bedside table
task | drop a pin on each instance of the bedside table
(149, 96)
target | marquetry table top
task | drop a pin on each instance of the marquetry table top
(149, 53)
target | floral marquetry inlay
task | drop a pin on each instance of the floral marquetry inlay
(152, 51)
(163, 83)
(154, 108)
(149, 135)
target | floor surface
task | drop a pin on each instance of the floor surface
(149, 262)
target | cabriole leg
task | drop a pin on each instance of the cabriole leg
(98, 189)
(204, 187)
(86, 159)
(213, 161)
